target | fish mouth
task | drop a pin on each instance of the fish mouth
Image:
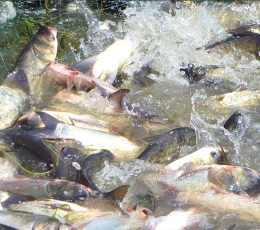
(147, 211)
(53, 30)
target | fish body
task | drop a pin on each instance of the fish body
(57, 189)
(39, 52)
(165, 147)
(26, 221)
(94, 163)
(105, 65)
(203, 156)
(93, 139)
(68, 76)
(247, 41)
(236, 179)
(13, 103)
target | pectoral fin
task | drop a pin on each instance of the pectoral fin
(18, 79)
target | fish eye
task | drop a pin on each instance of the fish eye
(52, 36)
(216, 156)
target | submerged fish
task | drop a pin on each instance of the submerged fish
(245, 41)
(164, 148)
(224, 104)
(105, 65)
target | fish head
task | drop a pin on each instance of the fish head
(248, 179)
(139, 201)
(45, 44)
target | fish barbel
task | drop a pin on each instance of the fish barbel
(105, 65)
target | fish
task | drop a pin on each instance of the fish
(226, 103)
(54, 129)
(26, 221)
(45, 188)
(64, 211)
(164, 148)
(135, 200)
(93, 163)
(13, 103)
(246, 208)
(39, 52)
(203, 156)
(236, 179)
(66, 75)
(108, 221)
(106, 64)
(246, 41)
(21, 88)
(234, 121)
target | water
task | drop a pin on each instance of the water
(167, 43)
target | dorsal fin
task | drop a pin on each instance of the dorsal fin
(117, 98)
(49, 121)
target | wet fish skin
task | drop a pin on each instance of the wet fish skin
(94, 163)
(66, 75)
(51, 188)
(234, 121)
(165, 147)
(247, 41)
(89, 138)
(203, 156)
(39, 52)
(26, 221)
(106, 64)
(136, 199)
(139, 200)
(236, 179)
(13, 103)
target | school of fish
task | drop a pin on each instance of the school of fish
(120, 166)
